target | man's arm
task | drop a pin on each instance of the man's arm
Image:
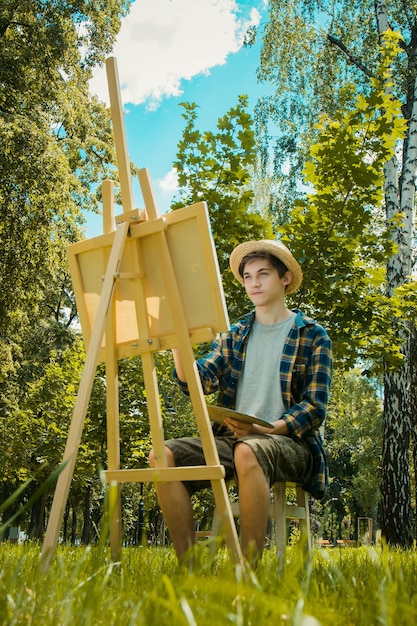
(178, 365)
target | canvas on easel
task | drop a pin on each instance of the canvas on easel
(192, 252)
(150, 284)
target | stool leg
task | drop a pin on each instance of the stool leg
(280, 512)
(280, 501)
(302, 501)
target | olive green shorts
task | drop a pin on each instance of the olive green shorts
(281, 458)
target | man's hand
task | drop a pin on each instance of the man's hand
(240, 429)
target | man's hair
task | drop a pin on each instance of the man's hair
(275, 262)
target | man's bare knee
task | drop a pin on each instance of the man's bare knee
(244, 457)
(169, 456)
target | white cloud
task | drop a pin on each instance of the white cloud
(169, 183)
(162, 42)
(165, 189)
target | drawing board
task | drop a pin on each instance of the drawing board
(219, 413)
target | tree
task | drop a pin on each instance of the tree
(337, 45)
(56, 142)
(216, 167)
(56, 139)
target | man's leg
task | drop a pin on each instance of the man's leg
(254, 498)
(175, 503)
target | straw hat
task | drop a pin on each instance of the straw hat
(277, 249)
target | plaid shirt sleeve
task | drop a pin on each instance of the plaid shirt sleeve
(212, 368)
(220, 369)
(306, 370)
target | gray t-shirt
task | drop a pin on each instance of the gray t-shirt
(259, 389)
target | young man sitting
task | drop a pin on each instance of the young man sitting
(274, 363)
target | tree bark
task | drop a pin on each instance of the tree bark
(73, 525)
(37, 518)
(65, 524)
(396, 509)
(413, 410)
(85, 536)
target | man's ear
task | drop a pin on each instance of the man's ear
(287, 278)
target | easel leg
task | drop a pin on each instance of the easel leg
(112, 392)
(81, 404)
(222, 504)
(113, 445)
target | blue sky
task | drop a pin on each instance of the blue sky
(172, 51)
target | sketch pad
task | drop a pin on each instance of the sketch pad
(218, 413)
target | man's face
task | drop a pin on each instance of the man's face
(263, 283)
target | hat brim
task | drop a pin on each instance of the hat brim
(277, 249)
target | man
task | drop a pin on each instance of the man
(273, 363)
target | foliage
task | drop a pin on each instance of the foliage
(56, 142)
(148, 587)
(216, 167)
(338, 233)
(55, 138)
(354, 444)
(34, 435)
(312, 53)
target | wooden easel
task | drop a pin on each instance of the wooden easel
(150, 285)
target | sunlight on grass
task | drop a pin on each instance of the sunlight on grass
(349, 586)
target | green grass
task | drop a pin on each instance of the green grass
(348, 586)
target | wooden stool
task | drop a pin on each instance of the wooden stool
(280, 511)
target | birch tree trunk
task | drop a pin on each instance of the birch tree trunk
(413, 409)
(396, 509)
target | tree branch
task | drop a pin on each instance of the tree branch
(352, 59)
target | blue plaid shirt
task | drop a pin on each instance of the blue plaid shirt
(305, 377)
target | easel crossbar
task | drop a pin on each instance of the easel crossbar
(165, 474)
